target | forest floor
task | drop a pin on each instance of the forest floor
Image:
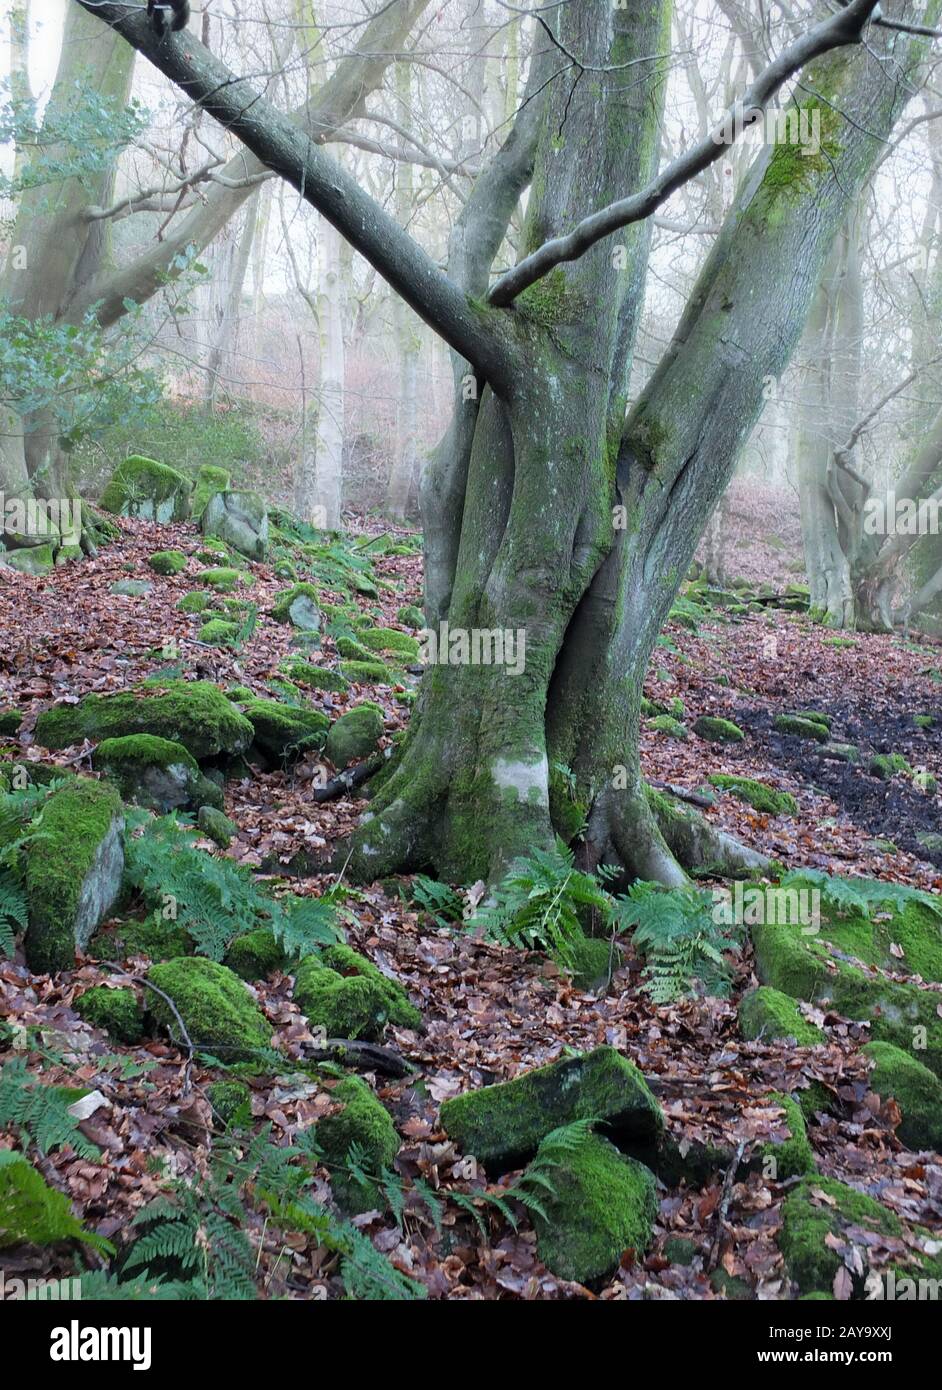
(489, 1012)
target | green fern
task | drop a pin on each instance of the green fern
(33, 1212)
(440, 901)
(39, 1113)
(681, 944)
(543, 903)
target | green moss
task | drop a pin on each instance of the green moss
(814, 1099)
(591, 962)
(195, 601)
(167, 561)
(231, 1102)
(209, 479)
(800, 728)
(282, 731)
(550, 302)
(353, 650)
(411, 616)
(143, 487)
(63, 909)
(115, 1011)
(757, 795)
(367, 672)
(155, 938)
(791, 1157)
(345, 1006)
(364, 1125)
(194, 713)
(666, 724)
(390, 640)
(10, 721)
(218, 1012)
(256, 955)
(887, 765)
(768, 1014)
(503, 1125)
(808, 1220)
(917, 1092)
(315, 677)
(680, 1250)
(399, 1008)
(355, 734)
(567, 811)
(601, 1205)
(923, 721)
(130, 754)
(218, 633)
(281, 608)
(223, 578)
(716, 730)
(217, 826)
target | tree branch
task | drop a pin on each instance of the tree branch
(837, 31)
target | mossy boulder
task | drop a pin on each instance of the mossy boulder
(219, 633)
(797, 727)
(792, 1155)
(155, 937)
(411, 616)
(299, 607)
(917, 1091)
(592, 961)
(217, 1010)
(666, 724)
(283, 731)
(888, 765)
(767, 1014)
(256, 955)
(152, 772)
(303, 673)
(144, 488)
(362, 1124)
(240, 519)
(115, 1011)
(820, 1215)
(231, 1102)
(758, 795)
(209, 480)
(10, 721)
(196, 601)
(345, 1006)
(399, 1008)
(352, 650)
(355, 734)
(195, 714)
(217, 826)
(390, 641)
(503, 1125)
(167, 562)
(716, 730)
(222, 578)
(367, 672)
(73, 871)
(36, 560)
(601, 1205)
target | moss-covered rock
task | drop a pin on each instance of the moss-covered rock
(355, 734)
(10, 721)
(256, 955)
(792, 1156)
(315, 677)
(345, 1006)
(602, 1204)
(367, 672)
(411, 616)
(716, 730)
(821, 1212)
(231, 1102)
(115, 1011)
(800, 728)
(503, 1125)
(156, 938)
(888, 765)
(73, 871)
(299, 607)
(399, 1008)
(240, 519)
(193, 713)
(36, 560)
(219, 633)
(209, 479)
(153, 772)
(167, 562)
(196, 601)
(362, 1124)
(144, 488)
(766, 1014)
(216, 825)
(217, 1010)
(592, 962)
(390, 641)
(758, 795)
(352, 650)
(666, 724)
(222, 578)
(917, 1091)
(283, 731)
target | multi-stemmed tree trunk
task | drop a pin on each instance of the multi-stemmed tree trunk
(547, 511)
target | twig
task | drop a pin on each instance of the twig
(723, 1207)
(142, 980)
(364, 1056)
